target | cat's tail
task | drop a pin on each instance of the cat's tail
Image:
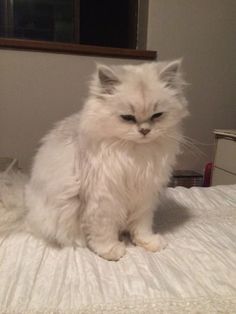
(12, 205)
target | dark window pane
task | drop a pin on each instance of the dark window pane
(41, 19)
(108, 23)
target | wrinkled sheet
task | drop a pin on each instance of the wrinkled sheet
(196, 273)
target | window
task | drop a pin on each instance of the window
(110, 23)
(117, 24)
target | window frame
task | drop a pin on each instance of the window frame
(77, 49)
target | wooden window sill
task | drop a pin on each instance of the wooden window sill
(68, 48)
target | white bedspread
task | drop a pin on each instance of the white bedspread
(196, 273)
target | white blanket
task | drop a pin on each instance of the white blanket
(196, 273)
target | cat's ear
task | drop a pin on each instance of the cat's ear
(171, 74)
(108, 79)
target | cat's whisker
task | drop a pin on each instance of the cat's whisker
(192, 148)
(188, 144)
(197, 142)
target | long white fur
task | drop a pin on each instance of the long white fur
(95, 175)
(12, 205)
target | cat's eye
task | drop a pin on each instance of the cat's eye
(128, 117)
(156, 115)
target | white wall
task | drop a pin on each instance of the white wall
(37, 89)
(203, 32)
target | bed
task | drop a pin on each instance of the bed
(196, 273)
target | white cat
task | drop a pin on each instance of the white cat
(101, 171)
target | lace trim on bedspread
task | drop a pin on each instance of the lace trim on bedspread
(224, 305)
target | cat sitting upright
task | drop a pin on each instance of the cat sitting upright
(101, 171)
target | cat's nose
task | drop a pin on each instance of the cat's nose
(144, 131)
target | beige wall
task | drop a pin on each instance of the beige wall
(37, 89)
(203, 32)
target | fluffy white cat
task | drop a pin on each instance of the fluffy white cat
(100, 172)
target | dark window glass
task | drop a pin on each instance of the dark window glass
(92, 22)
(43, 19)
(108, 23)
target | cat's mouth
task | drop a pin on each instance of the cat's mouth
(139, 139)
(144, 139)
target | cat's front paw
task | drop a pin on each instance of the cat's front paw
(114, 253)
(153, 243)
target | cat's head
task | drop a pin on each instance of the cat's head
(136, 103)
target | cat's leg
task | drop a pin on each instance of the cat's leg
(101, 226)
(54, 215)
(142, 234)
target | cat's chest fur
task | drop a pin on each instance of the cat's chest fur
(132, 173)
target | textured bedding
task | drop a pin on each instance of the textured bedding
(196, 273)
